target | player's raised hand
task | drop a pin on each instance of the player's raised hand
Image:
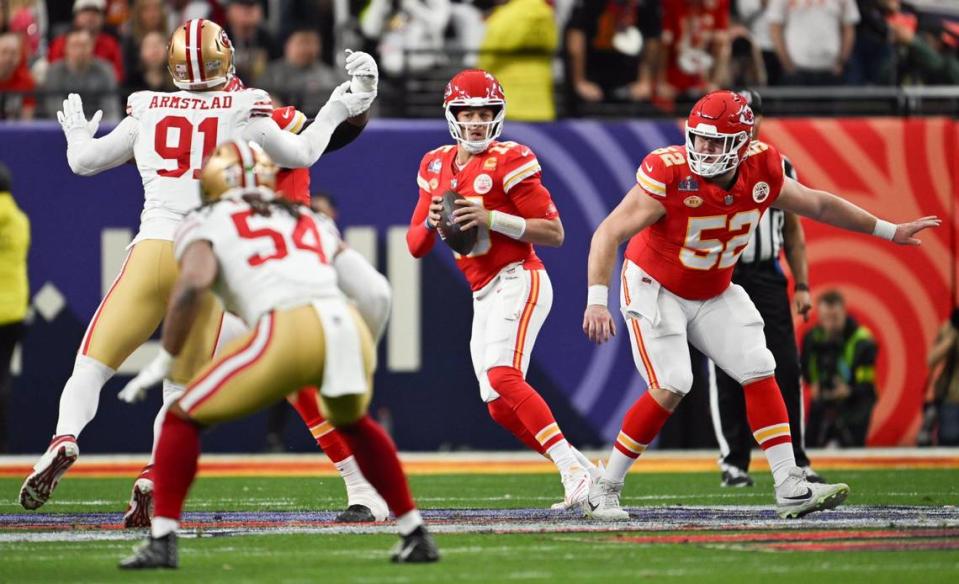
(355, 103)
(598, 324)
(149, 376)
(906, 231)
(362, 68)
(72, 117)
(470, 214)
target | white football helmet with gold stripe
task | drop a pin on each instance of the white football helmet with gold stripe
(200, 55)
(236, 165)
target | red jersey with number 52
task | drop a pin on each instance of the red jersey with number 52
(264, 262)
(174, 135)
(693, 248)
(506, 177)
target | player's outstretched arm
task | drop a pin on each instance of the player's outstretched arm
(634, 213)
(366, 287)
(832, 210)
(303, 150)
(198, 270)
(87, 155)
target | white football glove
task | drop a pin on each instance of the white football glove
(149, 376)
(362, 67)
(355, 103)
(72, 117)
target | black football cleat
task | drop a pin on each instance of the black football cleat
(736, 478)
(356, 514)
(155, 552)
(416, 548)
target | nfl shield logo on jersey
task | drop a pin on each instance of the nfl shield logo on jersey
(435, 166)
(761, 192)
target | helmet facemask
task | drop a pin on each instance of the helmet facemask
(460, 130)
(714, 164)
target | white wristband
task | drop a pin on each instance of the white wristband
(509, 225)
(597, 294)
(884, 230)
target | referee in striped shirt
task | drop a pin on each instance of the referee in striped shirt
(760, 274)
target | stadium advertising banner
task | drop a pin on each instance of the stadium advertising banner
(426, 393)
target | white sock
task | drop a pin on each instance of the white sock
(562, 455)
(617, 466)
(81, 395)
(350, 471)
(408, 523)
(580, 457)
(161, 526)
(781, 459)
(171, 392)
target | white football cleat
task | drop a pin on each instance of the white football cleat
(59, 457)
(595, 472)
(140, 509)
(797, 497)
(367, 496)
(602, 503)
(576, 481)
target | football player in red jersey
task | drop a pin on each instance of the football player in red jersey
(512, 294)
(687, 220)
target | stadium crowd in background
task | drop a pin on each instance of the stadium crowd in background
(598, 50)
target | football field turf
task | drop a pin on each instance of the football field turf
(899, 525)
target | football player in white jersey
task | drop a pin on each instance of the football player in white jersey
(168, 134)
(268, 260)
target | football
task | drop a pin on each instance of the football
(461, 241)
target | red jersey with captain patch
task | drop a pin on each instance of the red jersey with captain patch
(506, 177)
(693, 248)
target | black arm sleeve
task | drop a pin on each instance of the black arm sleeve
(343, 135)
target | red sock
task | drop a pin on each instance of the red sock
(529, 406)
(766, 412)
(504, 415)
(641, 424)
(376, 456)
(175, 468)
(306, 404)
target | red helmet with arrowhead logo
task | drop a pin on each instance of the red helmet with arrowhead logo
(720, 115)
(474, 88)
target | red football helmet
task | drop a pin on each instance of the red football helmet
(474, 88)
(722, 115)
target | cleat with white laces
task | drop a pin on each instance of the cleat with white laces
(59, 457)
(140, 509)
(602, 503)
(576, 482)
(367, 497)
(797, 496)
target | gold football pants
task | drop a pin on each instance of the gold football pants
(285, 352)
(136, 304)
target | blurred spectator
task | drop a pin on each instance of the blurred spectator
(697, 47)
(81, 72)
(28, 18)
(181, 11)
(145, 16)
(15, 78)
(294, 15)
(746, 64)
(873, 60)
(839, 363)
(613, 49)
(518, 50)
(929, 55)
(468, 29)
(813, 38)
(88, 14)
(254, 46)
(117, 13)
(14, 286)
(941, 420)
(300, 78)
(401, 26)
(753, 14)
(150, 72)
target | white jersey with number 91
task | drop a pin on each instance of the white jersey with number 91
(175, 132)
(265, 262)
